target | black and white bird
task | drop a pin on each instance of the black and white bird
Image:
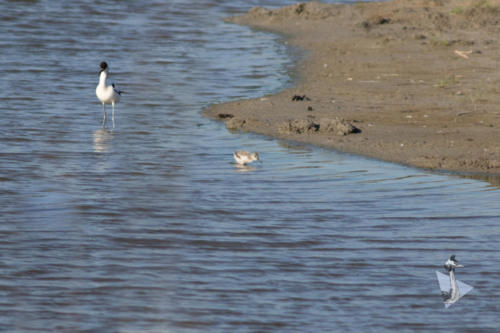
(453, 294)
(451, 288)
(107, 94)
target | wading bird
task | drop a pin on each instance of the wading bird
(107, 94)
(244, 157)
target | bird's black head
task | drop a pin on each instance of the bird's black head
(104, 66)
(451, 264)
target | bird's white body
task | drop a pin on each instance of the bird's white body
(453, 294)
(244, 157)
(107, 94)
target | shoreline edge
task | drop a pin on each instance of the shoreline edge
(412, 82)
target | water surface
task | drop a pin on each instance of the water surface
(150, 227)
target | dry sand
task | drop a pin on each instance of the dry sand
(408, 81)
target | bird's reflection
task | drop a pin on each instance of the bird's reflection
(243, 168)
(102, 140)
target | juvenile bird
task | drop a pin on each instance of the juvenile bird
(244, 157)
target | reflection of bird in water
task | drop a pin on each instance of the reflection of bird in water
(243, 168)
(102, 140)
(453, 294)
(244, 157)
(107, 94)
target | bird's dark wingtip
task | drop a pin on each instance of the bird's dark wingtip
(119, 92)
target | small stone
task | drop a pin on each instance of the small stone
(300, 98)
(225, 116)
(235, 123)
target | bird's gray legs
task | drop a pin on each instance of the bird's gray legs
(104, 111)
(113, 114)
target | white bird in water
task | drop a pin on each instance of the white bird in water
(244, 157)
(451, 289)
(453, 294)
(107, 94)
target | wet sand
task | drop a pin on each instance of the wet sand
(410, 81)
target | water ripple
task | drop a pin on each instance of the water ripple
(151, 227)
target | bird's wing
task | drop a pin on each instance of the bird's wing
(444, 281)
(119, 92)
(463, 288)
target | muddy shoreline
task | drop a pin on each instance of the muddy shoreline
(411, 81)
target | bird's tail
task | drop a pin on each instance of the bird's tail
(446, 295)
(118, 91)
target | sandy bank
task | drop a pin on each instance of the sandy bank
(408, 81)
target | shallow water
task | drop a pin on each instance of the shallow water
(151, 227)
